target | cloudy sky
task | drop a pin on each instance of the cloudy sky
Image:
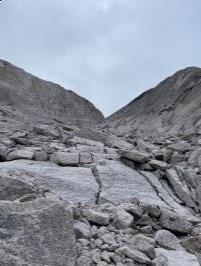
(108, 51)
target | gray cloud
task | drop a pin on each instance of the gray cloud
(108, 51)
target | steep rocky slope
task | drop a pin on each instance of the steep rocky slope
(35, 99)
(72, 196)
(171, 108)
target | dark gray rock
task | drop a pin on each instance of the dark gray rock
(40, 232)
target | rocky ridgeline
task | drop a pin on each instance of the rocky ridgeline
(87, 196)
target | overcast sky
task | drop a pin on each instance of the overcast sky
(108, 51)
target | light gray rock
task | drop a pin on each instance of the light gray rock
(82, 230)
(132, 208)
(178, 158)
(26, 153)
(180, 188)
(73, 184)
(96, 217)
(182, 146)
(136, 156)
(167, 240)
(116, 142)
(65, 158)
(193, 158)
(143, 244)
(40, 156)
(84, 260)
(86, 158)
(115, 177)
(123, 219)
(134, 254)
(175, 223)
(158, 164)
(177, 257)
(40, 233)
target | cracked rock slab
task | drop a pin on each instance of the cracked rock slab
(73, 184)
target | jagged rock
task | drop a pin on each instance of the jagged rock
(193, 244)
(136, 156)
(177, 257)
(47, 130)
(193, 158)
(175, 223)
(143, 244)
(32, 224)
(96, 217)
(152, 210)
(26, 153)
(133, 209)
(180, 188)
(166, 239)
(134, 254)
(123, 219)
(158, 164)
(12, 188)
(82, 230)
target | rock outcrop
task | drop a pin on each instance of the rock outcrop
(171, 108)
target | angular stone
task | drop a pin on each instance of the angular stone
(158, 164)
(26, 153)
(166, 239)
(12, 188)
(96, 217)
(123, 219)
(180, 188)
(133, 209)
(177, 257)
(182, 146)
(85, 158)
(152, 210)
(136, 156)
(134, 254)
(175, 223)
(82, 230)
(143, 244)
(65, 158)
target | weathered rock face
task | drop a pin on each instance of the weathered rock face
(172, 107)
(37, 99)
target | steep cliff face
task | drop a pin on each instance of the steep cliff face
(171, 108)
(39, 99)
